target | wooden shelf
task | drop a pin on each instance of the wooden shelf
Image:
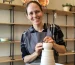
(18, 41)
(69, 39)
(5, 6)
(9, 6)
(15, 41)
(5, 23)
(22, 24)
(64, 40)
(60, 12)
(67, 53)
(5, 42)
(22, 8)
(17, 58)
(15, 24)
(69, 26)
(9, 59)
(5, 59)
(48, 11)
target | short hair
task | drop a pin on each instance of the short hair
(32, 2)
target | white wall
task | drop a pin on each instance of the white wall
(21, 18)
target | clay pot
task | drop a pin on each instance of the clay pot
(66, 8)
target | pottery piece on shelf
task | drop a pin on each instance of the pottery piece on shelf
(66, 8)
(43, 2)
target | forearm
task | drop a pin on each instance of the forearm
(31, 57)
(59, 48)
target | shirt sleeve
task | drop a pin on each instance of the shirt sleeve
(23, 45)
(59, 36)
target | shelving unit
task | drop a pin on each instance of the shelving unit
(12, 7)
(8, 59)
